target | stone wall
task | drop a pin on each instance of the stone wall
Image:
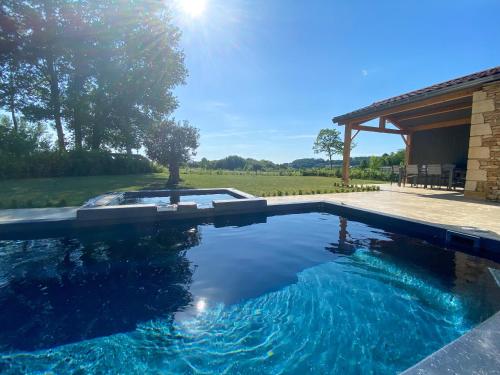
(483, 166)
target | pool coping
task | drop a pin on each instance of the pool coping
(475, 352)
(467, 353)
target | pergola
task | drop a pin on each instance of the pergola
(445, 105)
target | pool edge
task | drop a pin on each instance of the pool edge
(475, 352)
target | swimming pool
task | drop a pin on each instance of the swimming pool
(297, 293)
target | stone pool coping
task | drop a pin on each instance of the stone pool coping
(475, 352)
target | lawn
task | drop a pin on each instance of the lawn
(73, 191)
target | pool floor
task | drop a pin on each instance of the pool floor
(302, 293)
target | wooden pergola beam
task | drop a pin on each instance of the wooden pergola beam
(346, 159)
(441, 124)
(416, 105)
(355, 134)
(378, 130)
(429, 114)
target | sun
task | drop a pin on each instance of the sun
(193, 8)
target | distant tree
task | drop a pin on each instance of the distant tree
(25, 140)
(328, 142)
(204, 163)
(171, 144)
(231, 163)
(394, 158)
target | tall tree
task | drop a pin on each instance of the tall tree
(12, 79)
(44, 50)
(328, 141)
(171, 144)
(102, 70)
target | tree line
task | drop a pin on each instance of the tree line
(101, 72)
(239, 163)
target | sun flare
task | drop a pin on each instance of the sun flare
(193, 8)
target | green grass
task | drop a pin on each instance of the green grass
(73, 191)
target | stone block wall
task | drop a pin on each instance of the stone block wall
(483, 166)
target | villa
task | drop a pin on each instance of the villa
(455, 122)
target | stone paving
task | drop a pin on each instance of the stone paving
(23, 214)
(441, 207)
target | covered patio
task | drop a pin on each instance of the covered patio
(454, 123)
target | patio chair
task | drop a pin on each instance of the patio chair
(411, 174)
(395, 174)
(448, 177)
(433, 175)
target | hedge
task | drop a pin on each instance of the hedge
(73, 163)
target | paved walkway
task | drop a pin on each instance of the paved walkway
(442, 207)
(21, 214)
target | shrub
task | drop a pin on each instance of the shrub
(73, 163)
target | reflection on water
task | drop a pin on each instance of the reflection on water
(62, 290)
(292, 293)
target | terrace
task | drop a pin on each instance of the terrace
(456, 123)
(441, 207)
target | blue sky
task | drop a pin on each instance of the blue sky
(266, 75)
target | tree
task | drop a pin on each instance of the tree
(171, 144)
(328, 141)
(100, 71)
(24, 140)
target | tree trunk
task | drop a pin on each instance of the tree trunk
(174, 177)
(77, 104)
(55, 100)
(96, 136)
(77, 125)
(13, 114)
(12, 103)
(330, 159)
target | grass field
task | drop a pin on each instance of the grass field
(73, 191)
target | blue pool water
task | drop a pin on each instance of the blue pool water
(202, 200)
(302, 293)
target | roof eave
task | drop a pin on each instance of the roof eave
(341, 120)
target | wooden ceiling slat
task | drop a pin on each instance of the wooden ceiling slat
(437, 112)
(440, 124)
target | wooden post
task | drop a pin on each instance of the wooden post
(408, 149)
(347, 153)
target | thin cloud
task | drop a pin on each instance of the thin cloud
(364, 72)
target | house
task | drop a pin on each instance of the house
(453, 122)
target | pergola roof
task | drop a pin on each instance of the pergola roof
(455, 108)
